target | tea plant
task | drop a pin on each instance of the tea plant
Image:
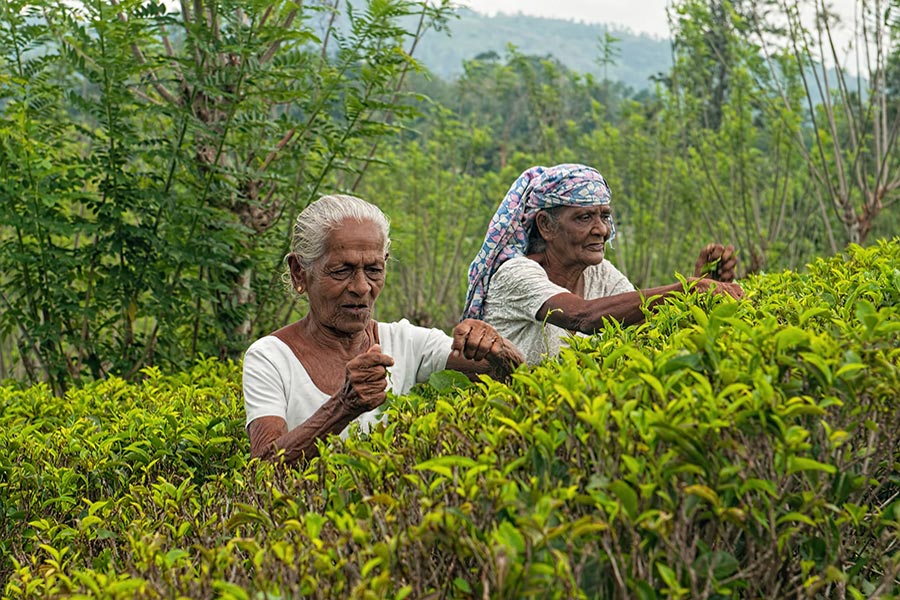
(720, 450)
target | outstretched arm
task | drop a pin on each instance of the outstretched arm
(573, 312)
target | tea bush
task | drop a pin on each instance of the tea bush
(722, 449)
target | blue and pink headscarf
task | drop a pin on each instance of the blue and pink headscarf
(507, 235)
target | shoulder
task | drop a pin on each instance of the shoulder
(521, 277)
(268, 351)
(268, 345)
(520, 273)
(514, 267)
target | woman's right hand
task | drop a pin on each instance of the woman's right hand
(717, 262)
(366, 381)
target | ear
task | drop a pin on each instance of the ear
(298, 273)
(544, 224)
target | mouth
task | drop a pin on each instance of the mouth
(355, 308)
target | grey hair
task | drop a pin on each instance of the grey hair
(317, 220)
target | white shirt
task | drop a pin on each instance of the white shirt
(520, 287)
(276, 383)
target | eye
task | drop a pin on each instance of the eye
(374, 272)
(341, 273)
(585, 218)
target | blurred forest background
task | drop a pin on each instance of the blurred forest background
(153, 156)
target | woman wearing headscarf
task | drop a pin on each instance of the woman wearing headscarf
(541, 274)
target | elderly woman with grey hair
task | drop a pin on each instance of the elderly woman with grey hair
(315, 376)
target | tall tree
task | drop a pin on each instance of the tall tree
(150, 156)
(852, 152)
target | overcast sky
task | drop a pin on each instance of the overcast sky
(647, 16)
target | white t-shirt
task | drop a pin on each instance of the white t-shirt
(520, 287)
(276, 383)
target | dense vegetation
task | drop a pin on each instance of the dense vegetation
(722, 449)
(152, 160)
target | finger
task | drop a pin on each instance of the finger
(728, 252)
(369, 375)
(728, 264)
(700, 264)
(727, 271)
(460, 336)
(488, 345)
(496, 348)
(730, 289)
(703, 258)
(371, 357)
(477, 342)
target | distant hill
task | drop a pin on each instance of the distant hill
(575, 44)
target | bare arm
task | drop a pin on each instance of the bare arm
(363, 390)
(573, 312)
(479, 349)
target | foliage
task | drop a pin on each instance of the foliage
(152, 159)
(851, 150)
(721, 449)
(148, 156)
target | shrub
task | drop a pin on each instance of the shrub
(721, 449)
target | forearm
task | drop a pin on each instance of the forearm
(573, 313)
(300, 442)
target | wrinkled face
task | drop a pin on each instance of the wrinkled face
(343, 284)
(580, 234)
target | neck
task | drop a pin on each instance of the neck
(568, 276)
(348, 344)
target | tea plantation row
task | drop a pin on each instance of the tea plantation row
(722, 449)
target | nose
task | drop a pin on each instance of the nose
(359, 283)
(601, 226)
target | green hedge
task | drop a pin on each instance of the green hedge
(719, 450)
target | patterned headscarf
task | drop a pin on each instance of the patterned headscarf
(507, 235)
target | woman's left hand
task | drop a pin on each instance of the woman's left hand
(476, 341)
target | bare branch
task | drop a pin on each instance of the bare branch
(270, 52)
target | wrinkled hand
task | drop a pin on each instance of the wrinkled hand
(476, 340)
(366, 382)
(706, 284)
(724, 262)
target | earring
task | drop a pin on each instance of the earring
(299, 289)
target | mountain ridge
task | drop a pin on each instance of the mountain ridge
(575, 44)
